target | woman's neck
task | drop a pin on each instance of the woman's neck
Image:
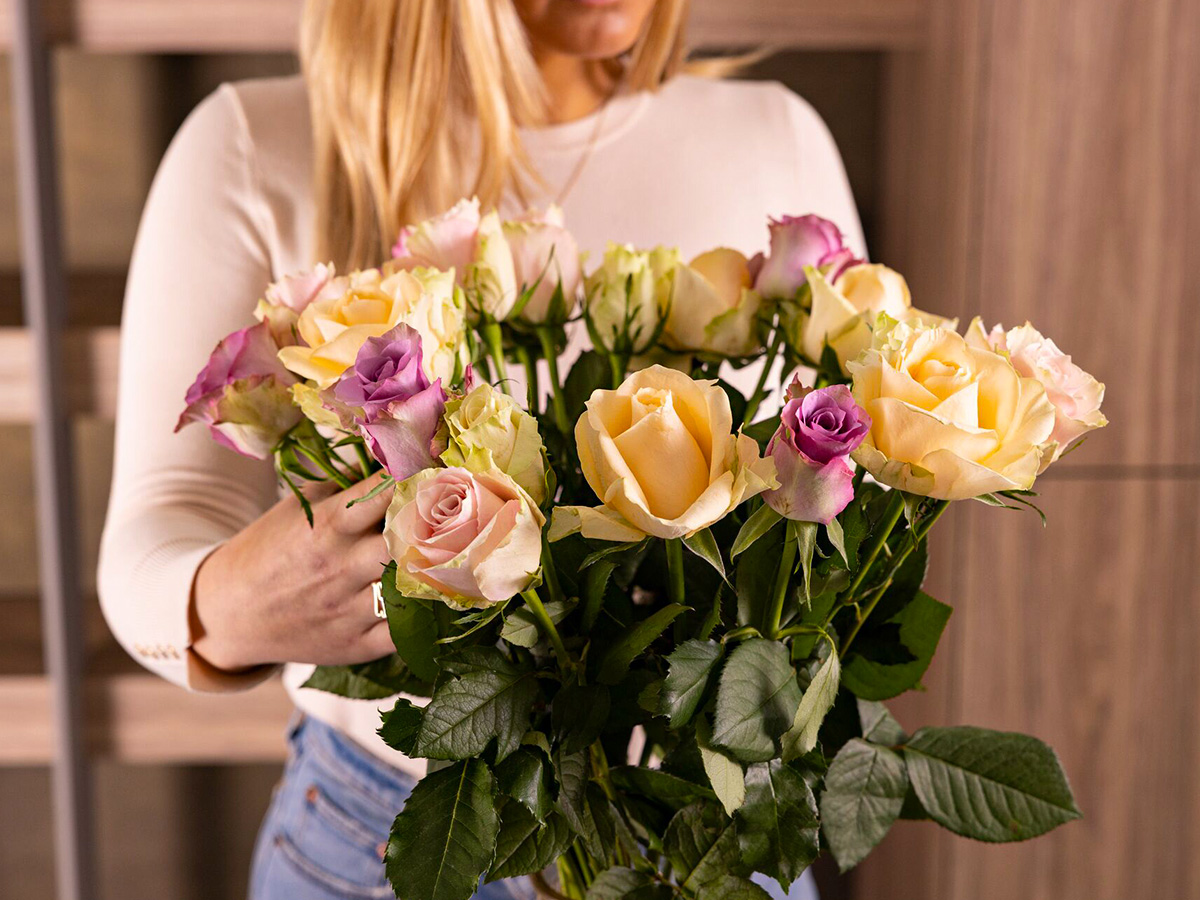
(574, 87)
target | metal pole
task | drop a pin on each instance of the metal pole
(44, 288)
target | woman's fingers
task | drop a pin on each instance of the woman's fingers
(363, 514)
(377, 642)
(370, 556)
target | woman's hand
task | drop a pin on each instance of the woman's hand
(280, 591)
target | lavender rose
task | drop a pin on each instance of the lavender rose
(401, 409)
(796, 242)
(243, 394)
(817, 431)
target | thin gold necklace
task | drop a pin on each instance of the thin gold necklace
(589, 149)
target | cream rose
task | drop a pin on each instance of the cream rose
(467, 539)
(1076, 395)
(370, 303)
(949, 420)
(491, 279)
(627, 296)
(844, 311)
(487, 430)
(659, 453)
(714, 307)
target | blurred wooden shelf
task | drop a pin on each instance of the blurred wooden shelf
(208, 26)
(91, 384)
(143, 719)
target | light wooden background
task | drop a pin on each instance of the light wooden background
(1021, 158)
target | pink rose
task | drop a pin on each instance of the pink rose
(818, 429)
(469, 540)
(290, 296)
(444, 242)
(796, 242)
(243, 394)
(543, 249)
(1075, 395)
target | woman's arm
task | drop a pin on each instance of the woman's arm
(200, 263)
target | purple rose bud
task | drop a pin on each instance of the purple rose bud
(402, 437)
(243, 394)
(796, 242)
(817, 431)
(386, 370)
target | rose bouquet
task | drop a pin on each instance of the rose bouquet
(655, 629)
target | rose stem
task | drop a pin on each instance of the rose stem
(675, 569)
(560, 405)
(617, 364)
(549, 571)
(548, 626)
(364, 461)
(879, 591)
(892, 514)
(760, 393)
(490, 332)
(531, 379)
(783, 576)
(337, 477)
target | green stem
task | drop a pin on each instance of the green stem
(746, 631)
(783, 577)
(675, 570)
(531, 379)
(879, 590)
(324, 465)
(618, 363)
(364, 459)
(549, 570)
(760, 391)
(891, 515)
(550, 629)
(492, 340)
(793, 630)
(546, 339)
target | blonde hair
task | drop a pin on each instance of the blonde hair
(395, 85)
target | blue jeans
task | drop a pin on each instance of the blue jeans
(326, 831)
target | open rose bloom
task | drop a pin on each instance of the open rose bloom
(624, 547)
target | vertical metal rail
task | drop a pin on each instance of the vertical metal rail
(44, 287)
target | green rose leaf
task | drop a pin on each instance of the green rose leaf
(757, 699)
(778, 825)
(485, 697)
(989, 785)
(616, 661)
(759, 523)
(522, 776)
(579, 714)
(401, 725)
(663, 787)
(445, 837)
(523, 846)
(413, 627)
(878, 724)
(871, 673)
(702, 845)
(704, 545)
(730, 887)
(691, 670)
(375, 680)
(815, 704)
(725, 774)
(864, 792)
(619, 883)
(583, 804)
(521, 627)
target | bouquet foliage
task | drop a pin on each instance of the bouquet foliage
(656, 629)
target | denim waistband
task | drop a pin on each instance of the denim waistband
(349, 761)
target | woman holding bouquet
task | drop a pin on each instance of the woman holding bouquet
(207, 577)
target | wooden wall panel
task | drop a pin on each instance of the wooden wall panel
(1092, 198)
(1044, 159)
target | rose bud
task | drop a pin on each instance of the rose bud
(818, 429)
(797, 242)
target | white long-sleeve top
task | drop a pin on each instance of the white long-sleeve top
(698, 164)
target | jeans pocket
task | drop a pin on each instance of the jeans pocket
(295, 875)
